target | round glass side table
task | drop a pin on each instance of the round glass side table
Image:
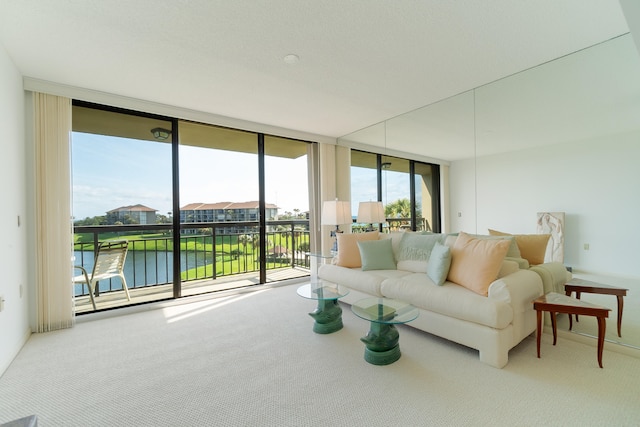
(381, 343)
(328, 314)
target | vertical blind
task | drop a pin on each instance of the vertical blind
(54, 230)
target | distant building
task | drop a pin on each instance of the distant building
(227, 212)
(134, 214)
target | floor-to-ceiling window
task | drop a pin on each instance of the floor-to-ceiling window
(364, 178)
(408, 189)
(286, 184)
(122, 190)
(219, 205)
(396, 192)
(202, 207)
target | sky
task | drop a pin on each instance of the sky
(110, 172)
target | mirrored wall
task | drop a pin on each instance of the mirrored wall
(591, 94)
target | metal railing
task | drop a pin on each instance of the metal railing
(394, 224)
(207, 250)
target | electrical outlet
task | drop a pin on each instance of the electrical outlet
(459, 214)
(586, 246)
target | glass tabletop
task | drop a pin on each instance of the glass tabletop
(322, 291)
(319, 255)
(384, 310)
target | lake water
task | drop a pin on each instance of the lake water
(140, 268)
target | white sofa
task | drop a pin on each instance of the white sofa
(492, 324)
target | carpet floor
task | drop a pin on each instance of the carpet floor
(252, 359)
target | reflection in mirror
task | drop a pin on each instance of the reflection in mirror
(443, 130)
(564, 130)
(367, 139)
(396, 197)
(426, 193)
(580, 96)
(377, 177)
(364, 175)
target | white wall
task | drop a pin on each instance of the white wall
(595, 182)
(14, 319)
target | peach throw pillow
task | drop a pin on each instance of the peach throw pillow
(475, 263)
(348, 251)
(532, 246)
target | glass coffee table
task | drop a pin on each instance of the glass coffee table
(381, 343)
(328, 314)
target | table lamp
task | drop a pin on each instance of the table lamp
(371, 213)
(336, 212)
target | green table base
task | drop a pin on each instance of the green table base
(381, 344)
(328, 317)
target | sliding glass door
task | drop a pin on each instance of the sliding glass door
(122, 191)
(219, 208)
(408, 189)
(286, 185)
(201, 208)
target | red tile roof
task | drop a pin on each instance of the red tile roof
(225, 206)
(133, 208)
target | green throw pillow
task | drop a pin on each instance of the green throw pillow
(377, 255)
(439, 263)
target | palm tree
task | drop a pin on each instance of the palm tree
(243, 239)
(400, 208)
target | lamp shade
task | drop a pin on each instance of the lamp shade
(336, 212)
(371, 213)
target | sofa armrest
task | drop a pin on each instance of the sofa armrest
(518, 289)
(554, 275)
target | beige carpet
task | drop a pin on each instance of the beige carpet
(253, 360)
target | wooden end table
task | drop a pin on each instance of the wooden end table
(580, 286)
(558, 303)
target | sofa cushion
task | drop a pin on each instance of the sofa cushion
(396, 238)
(354, 278)
(532, 246)
(439, 263)
(449, 300)
(348, 252)
(475, 263)
(376, 255)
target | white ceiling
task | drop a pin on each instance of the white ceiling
(361, 62)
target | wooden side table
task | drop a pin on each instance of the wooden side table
(580, 286)
(558, 303)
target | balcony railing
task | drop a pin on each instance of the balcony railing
(395, 224)
(207, 250)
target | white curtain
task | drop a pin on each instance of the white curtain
(54, 291)
(315, 205)
(327, 186)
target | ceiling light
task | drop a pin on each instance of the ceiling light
(160, 133)
(291, 59)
